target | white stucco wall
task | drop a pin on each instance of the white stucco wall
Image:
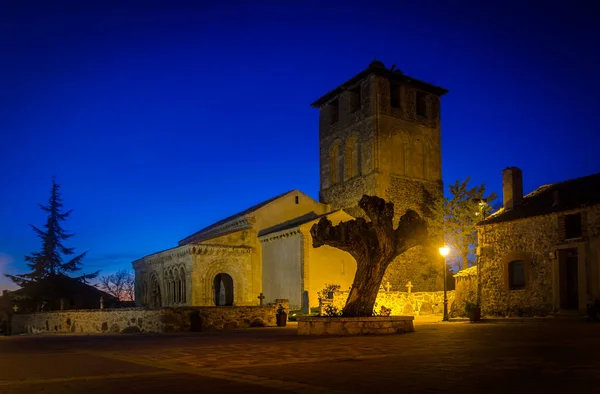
(282, 268)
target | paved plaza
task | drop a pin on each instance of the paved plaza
(505, 357)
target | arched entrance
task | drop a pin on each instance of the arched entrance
(223, 285)
(155, 298)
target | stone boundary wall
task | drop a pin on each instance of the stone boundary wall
(355, 325)
(404, 303)
(130, 320)
(466, 291)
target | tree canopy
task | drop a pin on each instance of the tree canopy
(453, 219)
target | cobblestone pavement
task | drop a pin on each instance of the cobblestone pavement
(440, 357)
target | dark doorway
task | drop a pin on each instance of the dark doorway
(568, 280)
(223, 285)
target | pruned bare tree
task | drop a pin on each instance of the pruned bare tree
(121, 285)
(374, 244)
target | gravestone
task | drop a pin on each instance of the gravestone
(305, 304)
(388, 287)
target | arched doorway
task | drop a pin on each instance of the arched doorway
(223, 285)
(155, 298)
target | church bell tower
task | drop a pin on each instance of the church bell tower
(380, 134)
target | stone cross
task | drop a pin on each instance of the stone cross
(101, 302)
(388, 286)
(409, 286)
(261, 297)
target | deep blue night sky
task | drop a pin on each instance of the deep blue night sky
(158, 120)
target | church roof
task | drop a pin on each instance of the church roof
(557, 197)
(193, 237)
(376, 67)
(309, 217)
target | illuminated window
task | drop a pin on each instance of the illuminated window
(516, 275)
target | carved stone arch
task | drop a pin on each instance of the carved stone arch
(399, 145)
(336, 162)
(155, 296)
(224, 267)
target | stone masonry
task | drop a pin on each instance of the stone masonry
(380, 135)
(404, 303)
(129, 320)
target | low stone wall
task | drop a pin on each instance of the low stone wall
(355, 325)
(466, 291)
(145, 320)
(404, 303)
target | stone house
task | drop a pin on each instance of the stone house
(379, 134)
(540, 253)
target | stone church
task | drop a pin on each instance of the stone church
(379, 134)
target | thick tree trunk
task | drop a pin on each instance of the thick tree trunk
(365, 288)
(373, 244)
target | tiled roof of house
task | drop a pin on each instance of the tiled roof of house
(557, 197)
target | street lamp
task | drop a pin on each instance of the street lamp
(444, 250)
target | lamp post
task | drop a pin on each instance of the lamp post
(444, 250)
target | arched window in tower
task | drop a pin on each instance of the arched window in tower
(398, 156)
(417, 160)
(352, 157)
(336, 164)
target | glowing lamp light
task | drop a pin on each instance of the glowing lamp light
(444, 250)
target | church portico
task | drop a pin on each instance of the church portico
(163, 278)
(216, 263)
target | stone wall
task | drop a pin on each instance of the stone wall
(145, 320)
(308, 325)
(399, 161)
(530, 240)
(404, 303)
(465, 293)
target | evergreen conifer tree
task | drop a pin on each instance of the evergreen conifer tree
(49, 261)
